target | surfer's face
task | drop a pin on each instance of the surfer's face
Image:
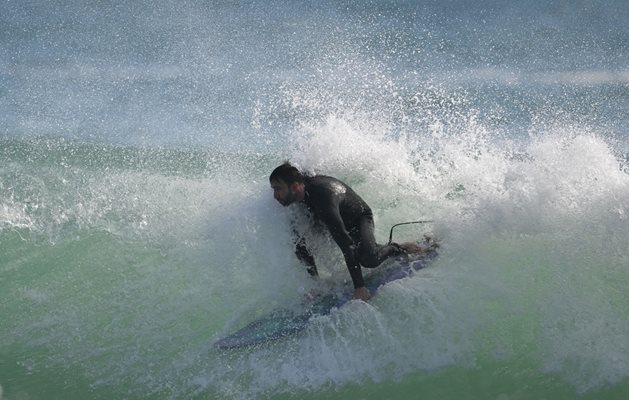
(283, 193)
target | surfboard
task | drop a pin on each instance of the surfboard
(282, 323)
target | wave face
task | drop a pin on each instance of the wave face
(137, 225)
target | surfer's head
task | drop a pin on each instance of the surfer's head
(287, 184)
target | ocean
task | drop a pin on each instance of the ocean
(137, 225)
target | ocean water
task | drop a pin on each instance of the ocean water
(137, 225)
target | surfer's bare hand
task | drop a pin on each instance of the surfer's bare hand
(361, 293)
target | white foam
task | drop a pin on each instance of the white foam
(14, 215)
(564, 192)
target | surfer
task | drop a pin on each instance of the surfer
(346, 215)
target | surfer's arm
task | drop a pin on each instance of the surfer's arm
(332, 219)
(303, 254)
(305, 257)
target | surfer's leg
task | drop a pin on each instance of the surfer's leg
(371, 254)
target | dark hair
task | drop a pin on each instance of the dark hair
(286, 173)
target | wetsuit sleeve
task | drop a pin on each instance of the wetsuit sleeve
(332, 218)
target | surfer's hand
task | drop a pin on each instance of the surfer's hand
(361, 293)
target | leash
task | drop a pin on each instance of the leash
(406, 223)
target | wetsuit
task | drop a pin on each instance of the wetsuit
(350, 222)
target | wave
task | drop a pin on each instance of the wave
(532, 272)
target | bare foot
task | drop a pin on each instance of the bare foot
(411, 247)
(425, 246)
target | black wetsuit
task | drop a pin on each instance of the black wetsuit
(350, 222)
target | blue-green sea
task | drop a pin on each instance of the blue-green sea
(137, 225)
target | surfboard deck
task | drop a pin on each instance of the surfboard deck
(286, 322)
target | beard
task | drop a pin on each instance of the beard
(288, 200)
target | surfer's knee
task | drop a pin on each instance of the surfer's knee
(368, 260)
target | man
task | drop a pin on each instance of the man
(347, 216)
